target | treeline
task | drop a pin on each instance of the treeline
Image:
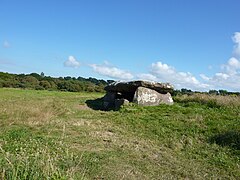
(211, 92)
(72, 84)
(42, 82)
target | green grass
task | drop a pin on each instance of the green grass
(55, 135)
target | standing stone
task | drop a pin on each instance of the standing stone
(109, 100)
(148, 97)
(120, 102)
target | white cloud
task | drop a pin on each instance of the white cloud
(166, 73)
(227, 78)
(159, 72)
(221, 76)
(232, 66)
(6, 44)
(147, 77)
(234, 63)
(236, 39)
(224, 81)
(112, 72)
(72, 62)
(204, 77)
(160, 68)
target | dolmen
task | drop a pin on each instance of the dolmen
(144, 93)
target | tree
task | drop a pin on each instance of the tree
(45, 84)
(215, 92)
(223, 92)
(42, 75)
(41, 82)
(186, 91)
(30, 82)
(67, 78)
(36, 75)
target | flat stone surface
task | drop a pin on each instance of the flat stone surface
(131, 86)
(148, 97)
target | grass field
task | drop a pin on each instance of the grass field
(56, 135)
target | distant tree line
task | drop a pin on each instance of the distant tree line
(42, 82)
(72, 84)
(211, 92)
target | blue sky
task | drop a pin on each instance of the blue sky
(191, 44)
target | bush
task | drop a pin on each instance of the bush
(45, 84)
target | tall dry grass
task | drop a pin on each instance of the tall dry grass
(33, 158)
(31, 112)
(211, 100)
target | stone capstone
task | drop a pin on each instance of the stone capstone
(131, 86)
(143, 93)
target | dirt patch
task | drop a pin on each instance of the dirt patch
(81, 122)
(83, 107)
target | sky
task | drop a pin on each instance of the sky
(190, 44)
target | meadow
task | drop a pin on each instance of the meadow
(65, 135)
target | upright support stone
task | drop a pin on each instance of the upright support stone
(109, 100)
(120, 102)
(148, 97)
